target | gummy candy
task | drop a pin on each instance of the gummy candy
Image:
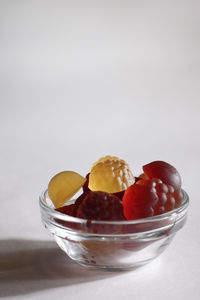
(147, 198)
(67, 210)
(63, 186)
(107, 157)
(164, 171)
(85, 186)
(111, 176)
(111, 192)
(100, 206)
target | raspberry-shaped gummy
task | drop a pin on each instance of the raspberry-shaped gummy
(111, 176)
(100, 206)
(104, 158)
(148, 198)
(86, 188)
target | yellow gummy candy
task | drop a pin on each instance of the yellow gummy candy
(111, 176)
(107, 157)
(63, 186)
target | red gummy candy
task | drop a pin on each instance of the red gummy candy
(139, 201)
(78, 202)
(141, 176)
(85, 186)
(164, 171)
(119, 195)
(67, 210)
(148, 198)
(71, 209)
(100, 206)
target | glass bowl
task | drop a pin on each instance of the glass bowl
(112, 245)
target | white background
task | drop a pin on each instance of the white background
(79, 80)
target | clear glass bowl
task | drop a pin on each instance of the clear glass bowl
(118, 245)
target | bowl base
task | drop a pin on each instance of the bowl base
(115, 268)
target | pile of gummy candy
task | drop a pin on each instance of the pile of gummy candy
(112, 193)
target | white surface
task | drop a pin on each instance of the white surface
(81, 79)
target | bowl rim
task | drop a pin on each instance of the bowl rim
(60, 216)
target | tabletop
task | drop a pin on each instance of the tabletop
(84, 79)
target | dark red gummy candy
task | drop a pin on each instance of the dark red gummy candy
(67, 210)
(85, 186)
(148, 198)
(78, 202)
(164, 171)
(100, 206)
(71, 209)
(119, 195)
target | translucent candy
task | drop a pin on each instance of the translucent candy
(63, 186)
(149, 197)
(164, 171)
(111, 176)
(107, 157)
